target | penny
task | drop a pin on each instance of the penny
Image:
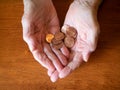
(49, 37)
(54, 41)
(57, 46)
(71, 32)
(69, 42)
(67, 35)
(59, 36)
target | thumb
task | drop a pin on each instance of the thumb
(64, 28)
(86, 55)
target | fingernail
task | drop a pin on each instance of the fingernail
(54, 77)
(53, 80)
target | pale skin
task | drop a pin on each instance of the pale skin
(40, 18)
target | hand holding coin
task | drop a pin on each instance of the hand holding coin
(60, 38)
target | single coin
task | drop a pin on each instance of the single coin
(57, 46)
(49, 37)
(69, 42)
(59, 36)
(71, 32)
(54, 41)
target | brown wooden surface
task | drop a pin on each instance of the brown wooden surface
(19, 71)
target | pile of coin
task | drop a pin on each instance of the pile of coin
(57, 41)
(66, 37)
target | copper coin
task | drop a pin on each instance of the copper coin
(69, 42)
(54, 41)
(57, 46)
(59, 36)
(49, 37)
(71, 32)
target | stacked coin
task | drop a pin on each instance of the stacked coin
(71, 34)
(57, 41)
(67, 37)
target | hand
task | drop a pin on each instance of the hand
(39, 19)
(83, 17)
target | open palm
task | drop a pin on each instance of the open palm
(39, 19)
(84, 20)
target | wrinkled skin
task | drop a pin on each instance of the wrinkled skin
(39, 19)
(84, 18)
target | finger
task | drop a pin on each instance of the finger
(86, 55)
(38, 54)
(43, 60)
(77, 60)
(72, 54)
(65, 51)
(64, 28)
(52, 57)
(49, 73)
(61, 57)
(54, 77)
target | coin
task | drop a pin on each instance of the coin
(69, 42)
(59, 36)
(71, 32)
(54, 41)
(49, 37)
(57, 46)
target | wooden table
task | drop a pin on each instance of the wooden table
(19, 70)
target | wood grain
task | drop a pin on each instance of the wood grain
(19, 70)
